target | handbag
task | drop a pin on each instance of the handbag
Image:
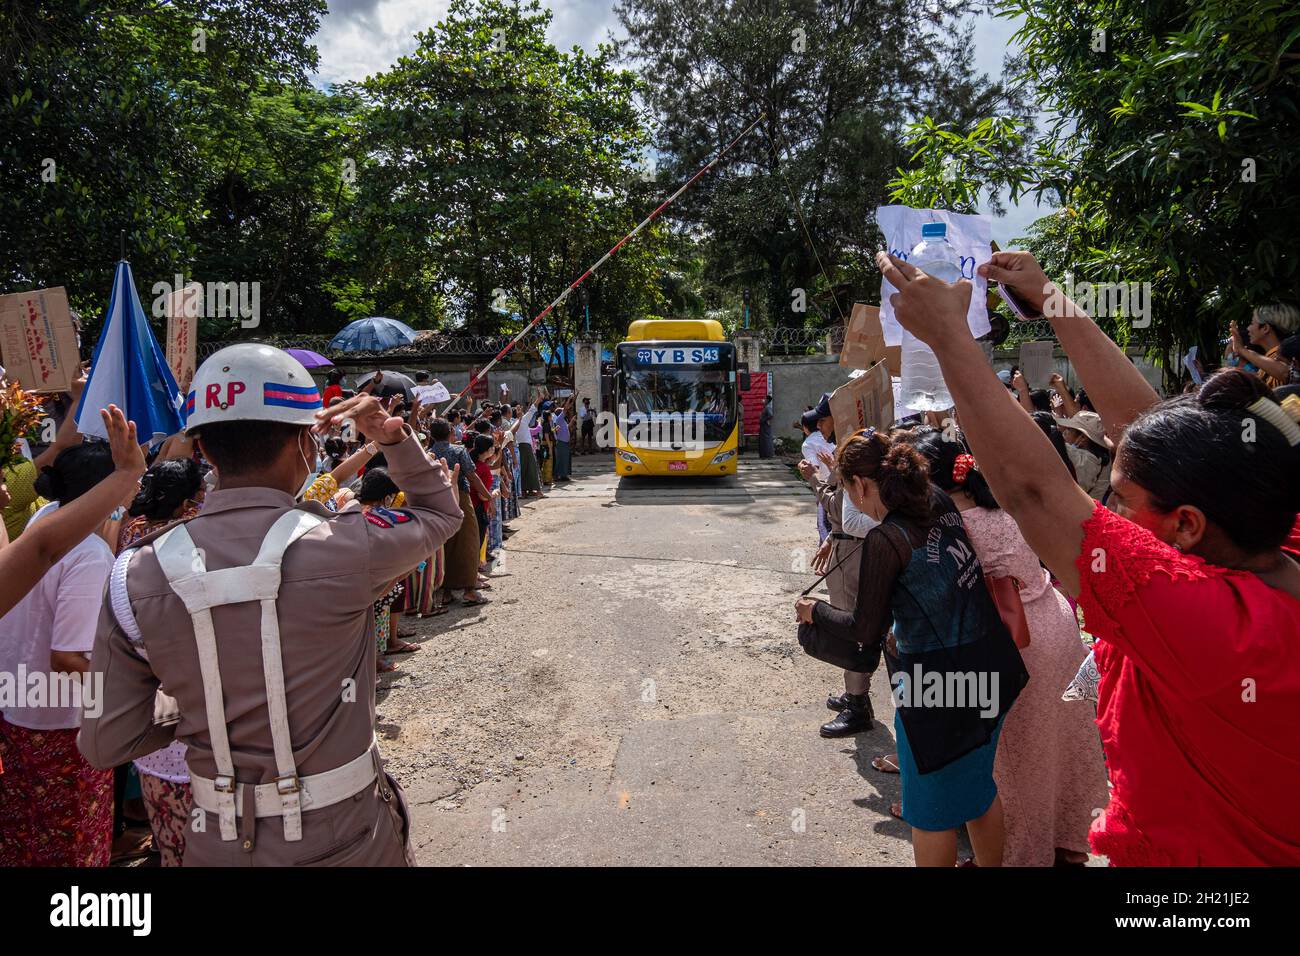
(941, 735)
(847, 656)
(1006, 598)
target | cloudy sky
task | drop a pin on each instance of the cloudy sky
(361, 37)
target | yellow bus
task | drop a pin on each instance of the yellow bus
(676, 399)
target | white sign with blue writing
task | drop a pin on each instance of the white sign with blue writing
(970, 236)
(676, 355)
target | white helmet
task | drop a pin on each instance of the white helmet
(251, 383)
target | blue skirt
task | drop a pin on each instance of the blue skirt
(946, 798)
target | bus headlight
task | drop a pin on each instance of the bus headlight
(724, 456)
(628, 456)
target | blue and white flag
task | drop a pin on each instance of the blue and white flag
(129, 370)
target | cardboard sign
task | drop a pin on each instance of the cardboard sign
(864, 341)
(38, 340)
(865, 400)
(970, 236)
(183, 331)
(1036, 363)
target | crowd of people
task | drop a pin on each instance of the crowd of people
(1106, 584)
(408, 512)
(1125, 569)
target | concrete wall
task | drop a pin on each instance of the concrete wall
(797, 382)
(455, 375)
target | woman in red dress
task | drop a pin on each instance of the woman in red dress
(1191, 587)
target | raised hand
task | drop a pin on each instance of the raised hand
(931, 309)
(1021, 273)
(371, 419)
(127, 455)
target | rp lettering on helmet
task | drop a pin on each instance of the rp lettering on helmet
(251, 382)
(212, 399)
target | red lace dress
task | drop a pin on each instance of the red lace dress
(1198, 704)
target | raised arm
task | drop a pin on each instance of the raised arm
(24, 562)
(1277, 368)
(1027, 476)
(67, 434)
(1116, 387)
(347, 469)
(1069, 405)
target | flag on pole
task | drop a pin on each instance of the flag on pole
(129, 370)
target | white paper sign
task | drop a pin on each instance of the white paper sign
(428, 394)
(971, 236)
(1193, 366)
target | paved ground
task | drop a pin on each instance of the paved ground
(635, 693)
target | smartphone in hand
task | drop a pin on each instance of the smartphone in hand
(1018, 305)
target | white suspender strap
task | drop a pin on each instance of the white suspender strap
(185, 569)
(287, 529)
(201, 590)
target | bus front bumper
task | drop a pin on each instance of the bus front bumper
(656, 463)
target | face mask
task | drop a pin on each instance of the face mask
(311, 472)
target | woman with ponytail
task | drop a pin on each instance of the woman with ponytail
(1049, 769)
(953, 667)
(1191, 586)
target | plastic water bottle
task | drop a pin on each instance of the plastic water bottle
(923, 388)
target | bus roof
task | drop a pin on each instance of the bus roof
(709, 330)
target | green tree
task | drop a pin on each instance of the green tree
(496, 169)
(109, 113)
(839, 80)
(1174, 150)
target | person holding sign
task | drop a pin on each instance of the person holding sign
(1191, 587)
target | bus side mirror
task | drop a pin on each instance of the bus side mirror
(744, 381)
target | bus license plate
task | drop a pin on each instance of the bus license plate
(677, 466)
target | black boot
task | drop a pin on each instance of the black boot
(837, 702)
(854, 718)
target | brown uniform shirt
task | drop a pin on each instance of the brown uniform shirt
(331, 578)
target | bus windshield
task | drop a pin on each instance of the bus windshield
(695, 380)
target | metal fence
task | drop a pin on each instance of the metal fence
(801, 341)
(425, 344)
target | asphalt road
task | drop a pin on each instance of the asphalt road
(635, 693)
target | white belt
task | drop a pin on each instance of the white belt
(318, 790)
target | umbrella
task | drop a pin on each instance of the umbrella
(374, 334)
(393, 383)
(309, 359)
(129, 370)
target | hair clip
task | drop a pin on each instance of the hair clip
(1271, 412)
(962, 467)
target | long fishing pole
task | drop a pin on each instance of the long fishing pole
(602, 260)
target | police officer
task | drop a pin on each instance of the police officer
(247, 632)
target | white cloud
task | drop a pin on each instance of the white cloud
(362, 37)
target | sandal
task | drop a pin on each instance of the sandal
(885, 763)
(896, 811)
(385, 667)
(402, 647)
(472, 603)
